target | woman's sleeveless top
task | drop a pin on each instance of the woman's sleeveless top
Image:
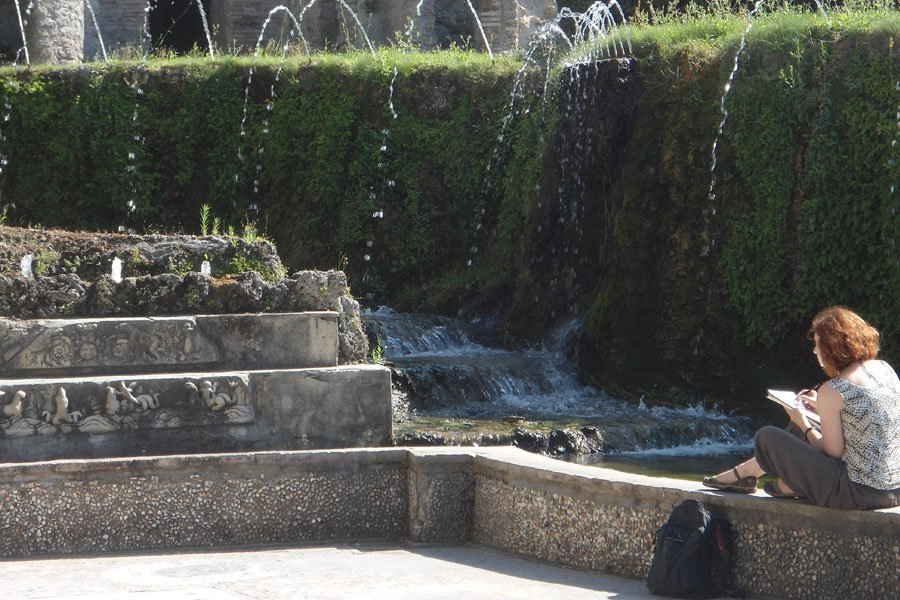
(870, 419)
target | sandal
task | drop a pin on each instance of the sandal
(742, 485)
(772, 489)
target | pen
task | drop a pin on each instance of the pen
(812, 389)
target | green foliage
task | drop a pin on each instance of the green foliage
(811, 133)
(45, 262)
(804, 216)
(243, 263)
(377, 353)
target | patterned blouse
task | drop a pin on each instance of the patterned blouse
(870, 419)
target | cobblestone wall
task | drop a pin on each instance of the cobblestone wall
(602, 520)
(202, 501)
(502, 498)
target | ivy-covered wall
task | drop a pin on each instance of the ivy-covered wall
(716, 289)
(436, 188)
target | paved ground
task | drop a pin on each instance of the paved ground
(362, 571)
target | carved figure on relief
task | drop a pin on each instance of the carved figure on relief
(211, 396)
(141, 402)
(13, 409)
(61, 413)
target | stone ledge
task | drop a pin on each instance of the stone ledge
(502, 498)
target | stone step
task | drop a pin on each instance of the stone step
(195, 412)
(109, 346)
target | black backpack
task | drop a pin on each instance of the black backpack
(689, 555)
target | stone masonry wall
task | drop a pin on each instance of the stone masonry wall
(121, 23)
(55, 31)
(502, 498)
(64, 30)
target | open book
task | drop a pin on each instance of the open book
(790, 400)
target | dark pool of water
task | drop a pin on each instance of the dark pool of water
(690, 466)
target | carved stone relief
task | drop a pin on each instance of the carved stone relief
(47, 345)
(102, 407)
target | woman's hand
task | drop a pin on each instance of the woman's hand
(798, 418)
(808, 399)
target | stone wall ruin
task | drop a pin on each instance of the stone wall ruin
(63, 31)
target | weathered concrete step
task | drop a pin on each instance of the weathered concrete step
(69, 347)
(109, 416)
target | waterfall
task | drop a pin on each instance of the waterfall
(453, 369)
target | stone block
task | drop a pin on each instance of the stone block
(95, 417)
(326, 408)
(67, 347)
(441, 498)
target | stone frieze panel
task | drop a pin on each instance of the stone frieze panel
(91, 344)
(106, 406)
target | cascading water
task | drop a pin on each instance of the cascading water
(598, 35)
(209, 40)
(90, 8)
(484, 38)
(255, 207)
(379, 202)
(270, 105)
(22, 23)
(450, 369)
(352, 15)
(710, 211)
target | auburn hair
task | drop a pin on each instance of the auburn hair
(844, 338)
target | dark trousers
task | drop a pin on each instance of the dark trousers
(822, 479)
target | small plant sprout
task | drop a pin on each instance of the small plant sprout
(377, 353)
(204, 219)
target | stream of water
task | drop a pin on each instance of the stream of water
(455, 370)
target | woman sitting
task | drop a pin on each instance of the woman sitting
(853, 460)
